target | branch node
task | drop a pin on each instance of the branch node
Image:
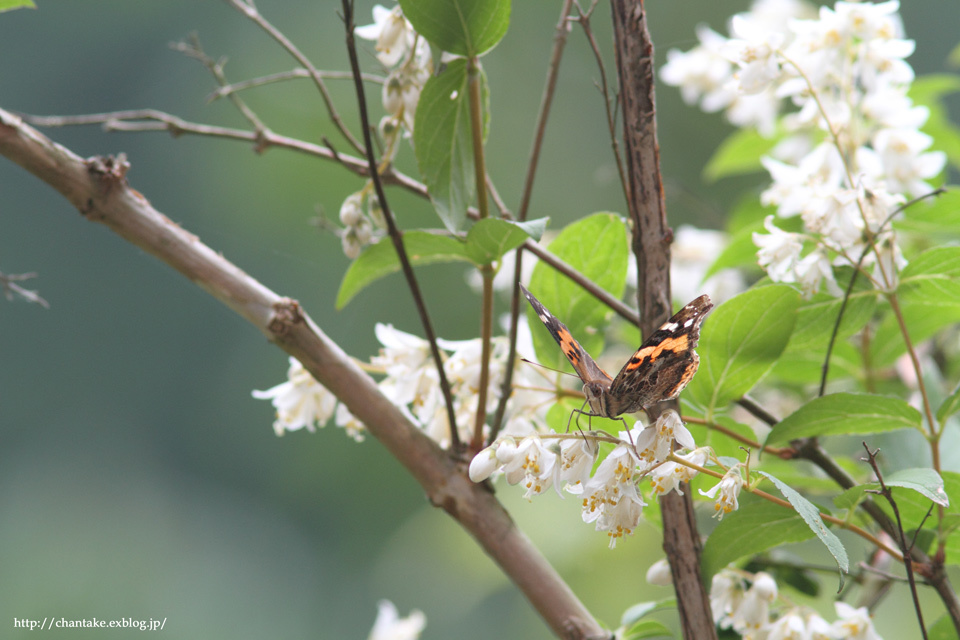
(110, 170)
(286, 315)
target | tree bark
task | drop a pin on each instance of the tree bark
(651, 247)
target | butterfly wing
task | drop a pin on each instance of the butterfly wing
(585, 366)
(664, 363)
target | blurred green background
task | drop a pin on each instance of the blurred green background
(138, 478)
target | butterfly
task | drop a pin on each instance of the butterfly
(658, 371)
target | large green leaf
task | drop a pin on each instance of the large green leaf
(380, 259)
(845, 413)
(490, 238)
(811, 515)
(444, 144)
(756, 526)
(462, 27)
(597, 247)
(929, 295)
(817, 317)
(740, 342)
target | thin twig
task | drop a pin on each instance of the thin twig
(601, 294)
(8, 282)
(475, 102)
(756, 410)
(901, 536)
(611, 111)
(282, 76)
(247, 9)
(153, 120)
(396, 236)
(215, 67)
(546, 101)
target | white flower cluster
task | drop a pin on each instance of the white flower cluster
(746, 610)
(610, 496)
(853, 151)
(411, 382)
(407, 57)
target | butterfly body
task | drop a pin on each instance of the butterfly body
(658, 371)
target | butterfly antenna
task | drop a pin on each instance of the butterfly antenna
(543, 366)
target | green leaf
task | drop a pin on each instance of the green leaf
(930, 91)
(924, 481)
(943, 628)
(805, 366)
(490, 238)
(933, 216)
(444, 145)
(646, 629)
(811, 515)
(739, 154)
(462, 27)
(817, 317)
(753, 528)
(740, 342)
(7, 5)
(380, 259)
(950, 406)
(596, 246)
(929, 294)
(845, 413)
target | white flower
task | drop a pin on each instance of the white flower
(789, 626)
(906, 167)
(610, 497)
(659, 573)
(702, 71)
(854, 624)
(393, 33)
(726, 593)
(300, 402)
(577, 456)
(347, 421)
(484, 463)
(815, 270)
(670, 475)
(729, 488)
(779, 252)
(532, 464)
(753, 612)
(390, 626)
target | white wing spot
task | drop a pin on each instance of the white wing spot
(670, 326)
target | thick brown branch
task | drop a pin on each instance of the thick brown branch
(98, 188)
(651, 247)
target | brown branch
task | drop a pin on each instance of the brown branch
(98, 189)
(651, 246)
(247, 9)
(282, 76)
(153, 120)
